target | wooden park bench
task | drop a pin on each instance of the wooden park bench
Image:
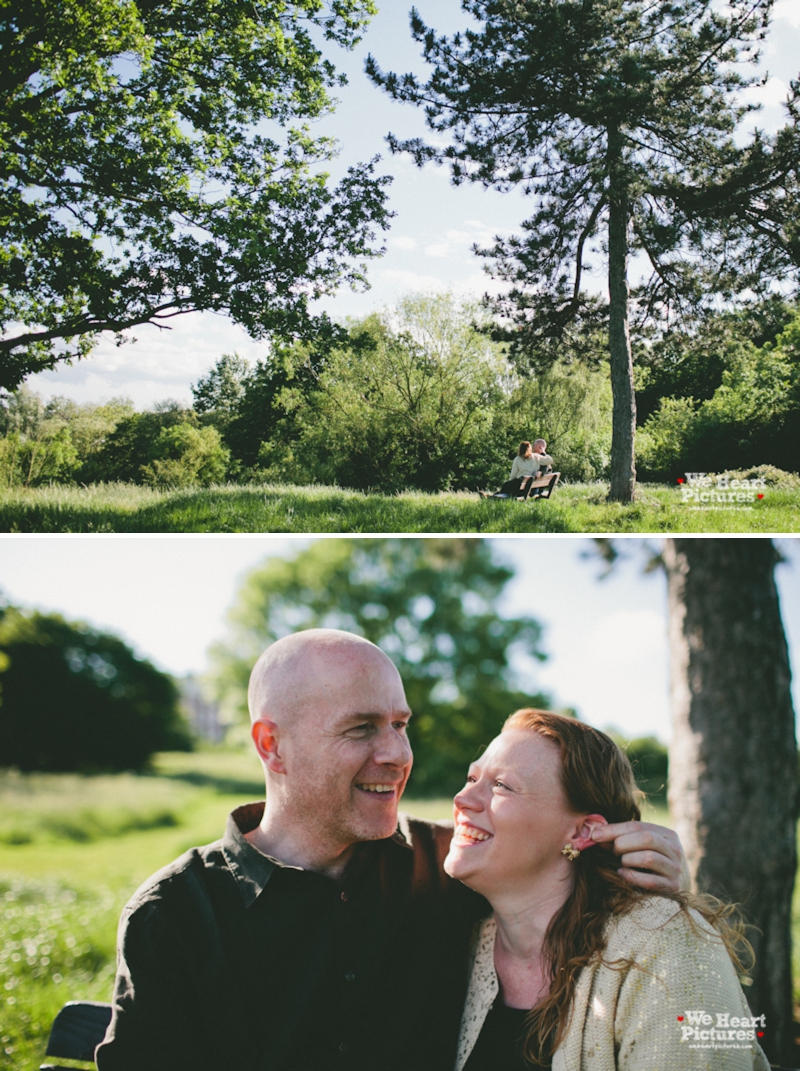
(542, 487)
(78, 1029)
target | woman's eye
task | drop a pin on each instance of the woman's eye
(501, 784)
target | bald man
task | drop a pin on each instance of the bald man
(321, 931)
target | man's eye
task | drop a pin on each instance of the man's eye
(502, 784)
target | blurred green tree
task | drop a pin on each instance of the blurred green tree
(75, 699)
(430, 604)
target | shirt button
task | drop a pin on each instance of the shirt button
(350, 976)
(344, 896)
(343, 1047)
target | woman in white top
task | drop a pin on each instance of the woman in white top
(526, 467)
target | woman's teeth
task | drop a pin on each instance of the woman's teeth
(472, 834)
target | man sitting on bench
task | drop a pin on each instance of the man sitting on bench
(528, 464)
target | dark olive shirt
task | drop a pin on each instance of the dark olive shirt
(232, 961)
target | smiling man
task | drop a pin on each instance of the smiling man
(321, 931)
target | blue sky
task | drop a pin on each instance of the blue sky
(429, 244)
(168, 595)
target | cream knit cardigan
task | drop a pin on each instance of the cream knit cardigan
(629, 1018)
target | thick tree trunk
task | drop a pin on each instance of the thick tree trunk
(623, 470)
(733, 760)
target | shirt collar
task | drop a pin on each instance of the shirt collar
(252, 869)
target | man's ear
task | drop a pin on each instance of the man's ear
(582, 838)
(265, 735)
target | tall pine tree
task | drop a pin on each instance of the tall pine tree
(605, 112)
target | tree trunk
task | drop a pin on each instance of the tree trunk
(733, 759)
(623, 470)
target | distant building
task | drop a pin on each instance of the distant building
(202, 712)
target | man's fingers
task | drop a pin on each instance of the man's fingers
(653, 882)
(639, 836)
(653, 848)
(647, 860)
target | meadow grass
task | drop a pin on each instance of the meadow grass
(62, 888)
(291, 509)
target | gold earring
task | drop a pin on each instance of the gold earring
(570, 852)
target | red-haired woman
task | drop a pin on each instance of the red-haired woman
(577, 968)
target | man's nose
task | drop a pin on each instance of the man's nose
(393, 748)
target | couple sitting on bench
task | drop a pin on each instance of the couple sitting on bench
(530, 472)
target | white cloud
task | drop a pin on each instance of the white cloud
(159, 365)
(402, 281)
(401, 242)
(787, 11)
(440, 249)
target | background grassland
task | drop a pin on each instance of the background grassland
(290, 509)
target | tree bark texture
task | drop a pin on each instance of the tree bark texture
(623, 470)
(733, 759)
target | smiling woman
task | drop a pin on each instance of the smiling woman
(570, 941)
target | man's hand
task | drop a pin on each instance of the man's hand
(654, 851)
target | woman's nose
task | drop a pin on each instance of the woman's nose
(468, 799)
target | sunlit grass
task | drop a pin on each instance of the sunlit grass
(290, 509)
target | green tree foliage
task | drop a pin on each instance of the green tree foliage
(75, 699)
(690, 362)
(185, 456)
(263, 428)
(39, 444)
(605, 113)
(164, 447)
(430, 604)
(418, 397)
(157, 159)
(752, 418)
(411, 403)
(217, 394)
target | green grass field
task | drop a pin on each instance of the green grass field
(274, 508)
(73, 850)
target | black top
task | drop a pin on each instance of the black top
(229, 959)
(499, 1044)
